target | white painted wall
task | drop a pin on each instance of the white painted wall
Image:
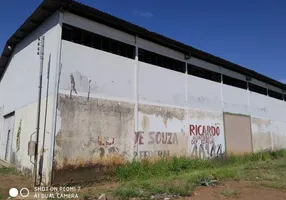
(158, 86)
(111, 76)
(19, 87)
(235, 100)
(168, 87)
(203, 94)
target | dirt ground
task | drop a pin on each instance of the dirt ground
(243, 190)
(8, 181)
(224, 191)
(238, 190)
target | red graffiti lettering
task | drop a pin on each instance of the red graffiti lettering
(217, 131)
(139, 137)
(203, 130)
(192, 129)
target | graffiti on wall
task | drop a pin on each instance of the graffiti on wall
(18, 136)
(154, 138)
(102, 145)
(205, 141)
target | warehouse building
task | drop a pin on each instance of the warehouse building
(113, 91)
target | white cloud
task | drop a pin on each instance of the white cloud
(145, 14)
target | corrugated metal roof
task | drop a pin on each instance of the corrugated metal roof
(48, 7)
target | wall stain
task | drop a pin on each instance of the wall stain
(165, 113)
(94, 135)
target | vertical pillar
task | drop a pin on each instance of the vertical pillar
(55, 100)
(136, 89)
(221, 90)
(186, 108)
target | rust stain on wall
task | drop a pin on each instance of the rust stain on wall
(165, 123)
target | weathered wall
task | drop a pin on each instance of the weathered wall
(100, 133)
(25, 123)
(138, 110)
(161, 132)
(261, 134)
(206, 134)
(19, 91)
(268, 122)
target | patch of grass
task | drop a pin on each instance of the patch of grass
(181, 175)
(182, 184)
(173, 165)
(275, 185)
(229, 193)
(7, 170)
(85, 197)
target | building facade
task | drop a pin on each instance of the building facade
(117, 93)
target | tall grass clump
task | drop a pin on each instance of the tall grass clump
(164, 167)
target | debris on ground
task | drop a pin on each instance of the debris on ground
(102, 197)
(208, 182)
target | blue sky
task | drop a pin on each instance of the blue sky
(249, 33)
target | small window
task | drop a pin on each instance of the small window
(234, 82)
(77, 36)
(161, 61)
(257, 89)
(67, 33)
(130, 51)
(204, 73)
(276, 95)
(284, 97)
(87, 39)
(96, 41)
(153, 59)
(105, 44)
(141, 55)
(114, 47)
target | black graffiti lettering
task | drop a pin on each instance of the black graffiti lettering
(170, 137)
(166, 153)
(201, 151)
(160, 153)
(219, 150)
(164, 138)
(175, 139)
(152, 139)
(158, 138)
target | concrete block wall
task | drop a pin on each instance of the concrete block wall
(124, 109)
